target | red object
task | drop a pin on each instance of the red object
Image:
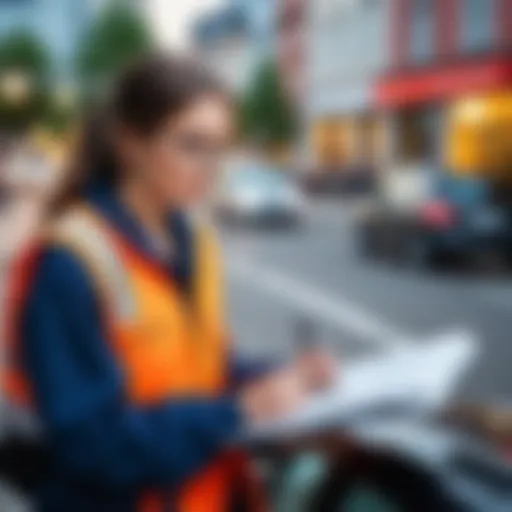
(438, 214)
(444, 82)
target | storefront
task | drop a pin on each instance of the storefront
(346, 133)
(429, 108)
(346, 50)
(347, 142)
(480, 134)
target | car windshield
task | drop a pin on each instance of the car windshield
(261, 179)
(461, 190)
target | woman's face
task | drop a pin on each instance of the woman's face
(177, 165)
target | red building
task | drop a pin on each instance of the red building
(442, 51)
(292, 26)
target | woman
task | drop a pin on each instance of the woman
(121, 342)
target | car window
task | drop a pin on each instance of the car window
(462, 191)
(259, 179)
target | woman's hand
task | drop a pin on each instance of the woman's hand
(318, 368)
(283, 392)
(275, 395)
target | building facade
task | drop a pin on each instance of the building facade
(261, 18)
(346, 49)
(222, 40)
(291, 46)
(236, 39)
(60, 24)
(450, 62)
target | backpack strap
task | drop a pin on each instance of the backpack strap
(208, 273)
(88, 237)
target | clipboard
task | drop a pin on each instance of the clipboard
(416, 379)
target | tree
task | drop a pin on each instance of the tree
(25, 68)
(117, 36)
(268, 118)
(61, 111)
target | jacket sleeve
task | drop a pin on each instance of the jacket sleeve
(243, 370)
(93, 431)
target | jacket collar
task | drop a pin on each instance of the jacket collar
(104, 199)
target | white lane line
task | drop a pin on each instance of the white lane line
(337, 310)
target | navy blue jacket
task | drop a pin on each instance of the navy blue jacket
(105, 450)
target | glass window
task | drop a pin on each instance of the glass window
(478, 22)
(422, 29)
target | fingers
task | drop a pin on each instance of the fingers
(286, 391)
(275, 396)
(319, 369)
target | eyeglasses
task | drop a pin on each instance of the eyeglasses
(203, 148)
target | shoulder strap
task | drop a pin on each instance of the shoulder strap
(208, 275)
(84, 233)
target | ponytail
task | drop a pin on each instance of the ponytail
(150, 91)
(93, 161)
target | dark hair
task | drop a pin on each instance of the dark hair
(141, 99)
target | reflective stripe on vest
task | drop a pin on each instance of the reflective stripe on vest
(80, 232)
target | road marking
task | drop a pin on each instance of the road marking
(335, 309)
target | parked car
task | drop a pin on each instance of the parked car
(256, 195)
(453, 219)
(355, 181)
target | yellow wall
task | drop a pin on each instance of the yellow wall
(480, 134)
(345, 141)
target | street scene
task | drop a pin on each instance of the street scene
(354, 159)
(360, 308)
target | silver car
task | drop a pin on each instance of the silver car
(255, 195)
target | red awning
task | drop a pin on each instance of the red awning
(434, 84)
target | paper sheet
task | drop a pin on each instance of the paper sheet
(422, 376)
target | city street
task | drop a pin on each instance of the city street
(360, 307)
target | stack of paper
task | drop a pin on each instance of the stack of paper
(421, 378)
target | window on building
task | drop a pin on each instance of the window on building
(478, 24)
(422, 29)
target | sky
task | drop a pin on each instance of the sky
(171, 18)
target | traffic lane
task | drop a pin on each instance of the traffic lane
(263, 322)
(260, 327)
(265, 326)
(416, 303)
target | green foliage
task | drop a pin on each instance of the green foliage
(115, 38)
(22, 50)
(58, 118)
(267, 115)
(24, 55)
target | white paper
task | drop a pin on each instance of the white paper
(422, 376)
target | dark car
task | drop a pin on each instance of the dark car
(459, 219)
(354, 181)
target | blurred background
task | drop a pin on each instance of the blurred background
(370, 188)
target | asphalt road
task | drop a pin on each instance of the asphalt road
(361, 307)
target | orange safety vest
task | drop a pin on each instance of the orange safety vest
(167, 345)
